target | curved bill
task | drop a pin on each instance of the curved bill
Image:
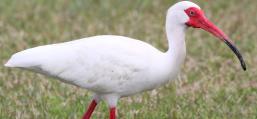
(205, 24)
(235, 50)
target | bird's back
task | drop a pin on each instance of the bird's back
(100, 63)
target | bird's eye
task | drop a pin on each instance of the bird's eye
(192, 13)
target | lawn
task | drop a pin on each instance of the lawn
(211, 84)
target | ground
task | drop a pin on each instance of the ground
(211, 84)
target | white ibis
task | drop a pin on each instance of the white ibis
(113, 67)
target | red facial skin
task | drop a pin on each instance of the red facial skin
(197, 19)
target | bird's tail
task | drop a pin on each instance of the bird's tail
(9, 63)
(22, 59)
(17, 60)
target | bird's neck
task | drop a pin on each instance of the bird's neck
(176, 39)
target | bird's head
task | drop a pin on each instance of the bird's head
(189, 14)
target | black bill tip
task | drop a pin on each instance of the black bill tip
(238, 54)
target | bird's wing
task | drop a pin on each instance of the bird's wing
(91, 63)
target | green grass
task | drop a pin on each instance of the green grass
(212, 84)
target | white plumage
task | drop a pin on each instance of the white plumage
(110, 66)
(115, 66)
(103, 64)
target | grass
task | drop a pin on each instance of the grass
(212, 84)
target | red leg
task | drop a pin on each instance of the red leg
(90, 110)
(112, 113)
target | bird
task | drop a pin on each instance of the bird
(112, 66)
